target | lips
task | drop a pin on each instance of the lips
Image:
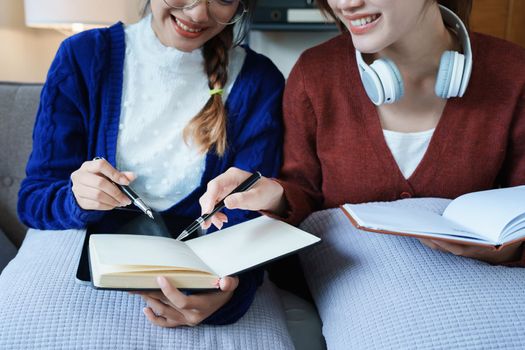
(360, 24)
(187, 29)
(364, 20)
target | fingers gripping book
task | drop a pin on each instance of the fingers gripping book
(121, 261)
(486, 218)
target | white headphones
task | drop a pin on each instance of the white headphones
(383, 82)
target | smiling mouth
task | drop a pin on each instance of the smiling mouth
(185, 27)
(364, 20)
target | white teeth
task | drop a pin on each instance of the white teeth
(362, 21)
(186, 28)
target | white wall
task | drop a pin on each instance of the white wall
(25, 54)
(284, 48)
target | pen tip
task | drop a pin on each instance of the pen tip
(150, 214)
(182, 235)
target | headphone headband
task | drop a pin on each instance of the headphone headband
(383, 82)
(450, 18)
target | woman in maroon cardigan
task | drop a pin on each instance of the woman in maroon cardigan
(342, 148)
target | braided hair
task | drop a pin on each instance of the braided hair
(208, 128)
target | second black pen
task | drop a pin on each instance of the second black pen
(244, 186)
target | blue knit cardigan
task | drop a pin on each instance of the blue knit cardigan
(78, 119)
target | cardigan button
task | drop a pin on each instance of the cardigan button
(405, 195)
(7, 181)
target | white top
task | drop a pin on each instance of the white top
(164, 88)
(408, 148)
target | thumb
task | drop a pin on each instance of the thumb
(130, 175)
(228, 284)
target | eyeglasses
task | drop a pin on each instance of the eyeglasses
(222, 11)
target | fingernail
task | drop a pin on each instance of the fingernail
(161, 281)
(230, 203)
(217, 283)
(123, 180)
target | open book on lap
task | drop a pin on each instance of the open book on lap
(488, 218)
(127, 262)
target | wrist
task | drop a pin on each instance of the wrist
(514, 254)
(278, 204)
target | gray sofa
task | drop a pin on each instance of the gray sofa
(372, 291)
(18, 104)
(44, 308)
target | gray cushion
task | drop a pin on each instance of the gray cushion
(43, 308)
(7, 250)
(18, 105)
(303, 322)
(377, 291)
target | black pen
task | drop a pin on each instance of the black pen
(128, 191)
(244, 186)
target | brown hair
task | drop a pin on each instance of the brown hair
(208, 128)
(460, 7)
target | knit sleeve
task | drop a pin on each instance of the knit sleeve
(301, 174)
(513, 173)
(259, 143)
(241, 300)
(45, 199)
(258, 149)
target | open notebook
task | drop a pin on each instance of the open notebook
(134, 261)
(489, 218)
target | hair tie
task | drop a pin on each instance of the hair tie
(216, 92)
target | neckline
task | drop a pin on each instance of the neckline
(437, 143)
(416, 134)
(371, 123)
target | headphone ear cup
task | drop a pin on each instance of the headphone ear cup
(390, 79)
(372, 84)
(445, 73)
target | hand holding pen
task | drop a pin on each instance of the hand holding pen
(244, 186)
(94, 186)
(268, 195)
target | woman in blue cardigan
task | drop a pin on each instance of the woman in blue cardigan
(168, 104)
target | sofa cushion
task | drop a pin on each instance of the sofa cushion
(376, 291)
(7, 250)
(44, 308)
(18, 105)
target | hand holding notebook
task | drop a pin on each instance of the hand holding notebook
(487, 218)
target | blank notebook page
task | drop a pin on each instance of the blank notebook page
(249, 244)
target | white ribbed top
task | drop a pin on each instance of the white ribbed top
(408, 148)
(164, 88)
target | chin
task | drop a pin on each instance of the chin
(183, 45)
(368, 45)
(185, 48)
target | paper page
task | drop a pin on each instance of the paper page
(405, 220)
(512, 228)
(249, 244)
(488, 212)
(144, 251)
